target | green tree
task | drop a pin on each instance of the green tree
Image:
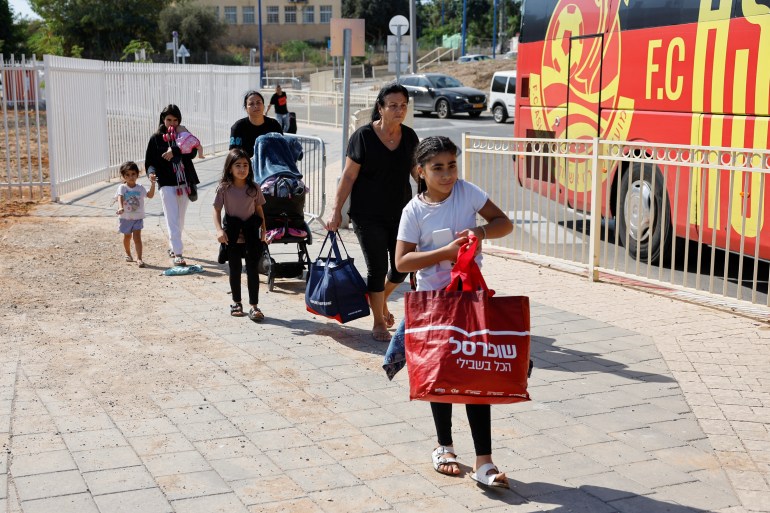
(12, 38)
(197, 25)
(101, 28)
(136, 46)
(377, 14)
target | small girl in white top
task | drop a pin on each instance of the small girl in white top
(434, 225)
(130, 197)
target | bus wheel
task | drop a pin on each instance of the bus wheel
(442, 108)
(643, 226)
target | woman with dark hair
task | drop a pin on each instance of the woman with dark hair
(378, 164)
(245, 131)
(176, 177)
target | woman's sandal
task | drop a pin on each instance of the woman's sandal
(179, 260)
(236, 310)
(129, 258)
(484, 478)
(256, 315)
(140, 263)
(440, 459)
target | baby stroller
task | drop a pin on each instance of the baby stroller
(275, 169)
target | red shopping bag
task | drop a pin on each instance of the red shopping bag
(467, 346)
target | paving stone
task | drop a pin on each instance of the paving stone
(41, 486)
(267, 489)
(42, 463)
(609, 486)
(577, 501)
(322, 478)
(646, 504)
(304, 505)
(400, 488)
(699, 495)
(570, 465)
(89, 440)
(135, 501)
(234, 469)
(161, 443)
(193, 484)
(197, 431)
(350, 498)
(224, 503)
(133, 428)
(175, 463)
(260, 422)
(37, 443)
(118, 480)
(279, 439)
(77, 503)
(653, 474)
(376, 467)
(223, 448)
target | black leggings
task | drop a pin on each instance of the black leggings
(235, 252)
(479, 417)
(378, 243)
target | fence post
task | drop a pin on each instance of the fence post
(594, 239)
(51, 122)
(212, 97)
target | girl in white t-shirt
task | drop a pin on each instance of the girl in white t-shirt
(434, 225)
(130, 196)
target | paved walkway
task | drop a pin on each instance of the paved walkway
(640, 404)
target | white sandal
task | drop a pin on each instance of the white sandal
(440, 459)
(481, 476)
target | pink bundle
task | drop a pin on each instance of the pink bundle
(181, 179)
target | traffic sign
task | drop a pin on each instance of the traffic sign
(398, 22)
(183, 51)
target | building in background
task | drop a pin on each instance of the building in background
(282, 20)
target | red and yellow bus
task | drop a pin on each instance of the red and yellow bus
(678, 72)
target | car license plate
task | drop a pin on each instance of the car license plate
(478, 105)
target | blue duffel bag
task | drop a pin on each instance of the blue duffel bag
(335, 288)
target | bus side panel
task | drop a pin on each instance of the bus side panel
(723, 200)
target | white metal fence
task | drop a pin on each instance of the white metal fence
(685, 218)
(101, 114)
(24, 171)
(70, 123)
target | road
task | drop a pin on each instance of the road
(454, 126)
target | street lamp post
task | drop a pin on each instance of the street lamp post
(465, 5)
(261, 55)
(494, 28)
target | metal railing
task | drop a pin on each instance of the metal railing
(24, 171)
(436, 55)
(313, 169)
(685, 218)
(325, 108)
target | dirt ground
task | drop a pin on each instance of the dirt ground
(66, 277)
(475, 74)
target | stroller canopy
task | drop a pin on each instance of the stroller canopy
(276, 155)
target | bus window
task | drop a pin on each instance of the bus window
(535, 18)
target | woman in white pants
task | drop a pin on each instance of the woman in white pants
(175, 174)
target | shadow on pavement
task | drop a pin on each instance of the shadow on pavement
(593, 361)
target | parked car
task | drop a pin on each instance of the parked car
(474, 57)
(444, 95)
(502, 95)
(511, 55)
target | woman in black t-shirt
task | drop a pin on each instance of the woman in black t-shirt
(245, 131)
(376, 177)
